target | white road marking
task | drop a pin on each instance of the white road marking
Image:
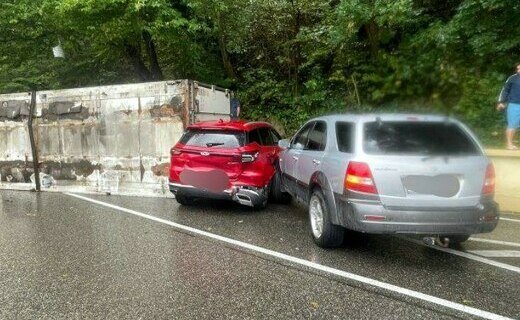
(467, 255)
(308, 264)
(504, 243)
(509, 219)
(497, 253)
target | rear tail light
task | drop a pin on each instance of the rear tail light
(249, 157)
(489, 181)
(175, 152)
(359, 178)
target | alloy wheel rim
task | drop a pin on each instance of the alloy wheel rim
(316, 215)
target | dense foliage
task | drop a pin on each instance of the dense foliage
(287, 59)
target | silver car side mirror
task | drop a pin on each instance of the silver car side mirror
(298, 146)
(284, 143)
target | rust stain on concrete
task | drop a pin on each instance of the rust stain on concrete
(62, 110)
(69, 171)
(165, 110)
(161, 170)
(21, 171)
(16, 171)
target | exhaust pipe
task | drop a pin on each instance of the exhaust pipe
(437, 241)
(244, 200)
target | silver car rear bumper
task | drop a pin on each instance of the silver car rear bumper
(373, 217)
(245, 195)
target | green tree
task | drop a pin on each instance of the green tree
(125, 30)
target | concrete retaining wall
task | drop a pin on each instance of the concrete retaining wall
(108, 138)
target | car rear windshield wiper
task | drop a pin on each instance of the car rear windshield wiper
(213, 144)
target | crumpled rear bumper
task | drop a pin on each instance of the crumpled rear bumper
(245, 195)
(375, 218)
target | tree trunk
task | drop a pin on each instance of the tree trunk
(296, 50)
(226, 61)
(155, 68)
(356, 90)
(372, 31)
(222, 41)
(134, 53)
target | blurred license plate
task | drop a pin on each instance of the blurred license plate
(444, 185)
(213, 180)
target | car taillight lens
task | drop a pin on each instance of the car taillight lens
(175, 152)
(489, 181)
(359, 178)
(249, 157)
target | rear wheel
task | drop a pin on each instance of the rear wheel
(324, 233)
(261, 206)
(264, 199)
(184, 200)
(277, 194)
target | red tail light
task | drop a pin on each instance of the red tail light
(489, 181)
(359, 178)
(249, 157)
(175, 152)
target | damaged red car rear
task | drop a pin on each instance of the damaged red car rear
(233, 160)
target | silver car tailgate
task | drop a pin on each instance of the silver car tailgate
(419, 181)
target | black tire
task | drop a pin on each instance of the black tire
(331, 235)
(277, 195)
(184, 200)
(261, 206)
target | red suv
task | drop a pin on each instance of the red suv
(233, 160)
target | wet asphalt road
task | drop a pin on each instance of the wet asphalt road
(63, 257)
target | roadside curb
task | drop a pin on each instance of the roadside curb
(507, 168)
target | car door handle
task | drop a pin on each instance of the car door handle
(295, 158)
(316, 162)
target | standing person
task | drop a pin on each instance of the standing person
(234, 107)
(510, 98)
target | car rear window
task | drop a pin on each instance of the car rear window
(417, 138)
(213, 138)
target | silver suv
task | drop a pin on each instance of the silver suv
(390, 173)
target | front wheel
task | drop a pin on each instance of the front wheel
(324, 233)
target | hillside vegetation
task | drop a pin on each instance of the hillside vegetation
(287, 59)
